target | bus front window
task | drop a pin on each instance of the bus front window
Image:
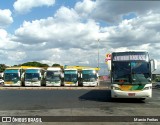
(89, 77)
(70, 77)
(140, 72)
(121, 72)
(131, 72)
(32, 76)
(11, 77)
(53, 76)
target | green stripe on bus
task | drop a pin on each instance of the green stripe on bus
(137, 87)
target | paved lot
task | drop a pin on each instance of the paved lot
(78, 102)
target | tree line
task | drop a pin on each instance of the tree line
(34, 63)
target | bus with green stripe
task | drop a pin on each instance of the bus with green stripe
(131, 74)
(34, 77)
(13, 76)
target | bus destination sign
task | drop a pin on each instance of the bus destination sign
(129, 58)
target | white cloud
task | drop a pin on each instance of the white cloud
(5, 18)
(66, 15)
(16, 55)
(68, 38)
(85, 7)
(113, 11)
(134, 32)
(24, 6)
(5, 42)
(59, 31)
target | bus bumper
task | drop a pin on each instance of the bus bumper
(131, 94)
(53, 84)
(70, 84)
(12, 84)
(32, 84)
(90, 84)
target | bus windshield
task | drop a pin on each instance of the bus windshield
(11, 77)
(89, 76)
(131, 72)
(32, 77)
(53, 76)
(70, 78)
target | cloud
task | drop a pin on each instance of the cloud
(5, 42)
(85, 7)
(5, 18)
(133, 32)
(70, 40)
(59, 31)
(25, 6)
(70, 37)
(8, 53)
(113, 11)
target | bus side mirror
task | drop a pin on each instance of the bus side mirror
(19, 74)
(109, 65)
(97, 75)
(149, 79)
(2, 75)
(45, 75)
(40, 75)
(154, 64)
(62, 75)
(22, 75)
(81, 76)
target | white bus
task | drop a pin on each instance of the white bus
(34, 77)
(131, 75)
(13, 76)
(89, 77)
(71, 77)
(53, 76)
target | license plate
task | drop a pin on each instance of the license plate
(131, 94)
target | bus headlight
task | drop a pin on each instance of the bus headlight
(115, 88)
(147, 88)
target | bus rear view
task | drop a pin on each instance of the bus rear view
(131, 75)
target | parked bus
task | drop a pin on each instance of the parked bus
(89, 77)
(71, 77)
(53, 76)
(131, 74)
(34, 77)
(13, 76)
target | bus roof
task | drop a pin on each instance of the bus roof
(81, 67)
(53, 68)
(130, 51)
(14, 68)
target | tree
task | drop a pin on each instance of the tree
(56, 65)
(2, 67)
(34, 63)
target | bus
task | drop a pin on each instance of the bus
(89, 77)
(34, 77)
(71, 77)
(131, 74)
(53, 76)
(13, 76)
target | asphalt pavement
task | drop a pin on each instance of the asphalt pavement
(75, 102)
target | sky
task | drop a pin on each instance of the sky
(70, 32)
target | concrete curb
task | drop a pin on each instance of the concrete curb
(53, 88)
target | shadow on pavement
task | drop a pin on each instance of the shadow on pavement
(97, 95)
(105, 96)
